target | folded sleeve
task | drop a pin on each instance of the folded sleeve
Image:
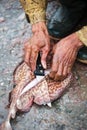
(35, 9)
(82, 33)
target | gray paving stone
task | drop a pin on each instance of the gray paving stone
(67, 113)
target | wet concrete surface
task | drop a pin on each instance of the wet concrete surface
(67, 113)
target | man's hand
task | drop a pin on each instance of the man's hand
(39, 42)
(65, 53)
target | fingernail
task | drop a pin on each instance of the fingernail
(33, 68)
(44, 65)
(52, 74)
(59, 78)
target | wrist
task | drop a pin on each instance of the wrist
(76, 43)
(40, 26)
(79, 43)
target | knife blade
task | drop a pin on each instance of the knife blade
(33, 83)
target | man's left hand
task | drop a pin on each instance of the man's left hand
(65, 53)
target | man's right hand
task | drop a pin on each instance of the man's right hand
(39, 42)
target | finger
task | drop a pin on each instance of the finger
(53, 68)
(27, 56)
(59, 74)
(33, 59)
(71, 62)
(54, 48)
(70, 67)
(69, 70)
(52, 74)
(65, 72)
(44, 57)
(59, 78)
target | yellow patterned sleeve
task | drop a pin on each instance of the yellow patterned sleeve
(82, 33)
(35, 9)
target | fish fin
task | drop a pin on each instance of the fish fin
(49, 104)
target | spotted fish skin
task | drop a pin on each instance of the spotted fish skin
(44, 92)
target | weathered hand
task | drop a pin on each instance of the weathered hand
(65, 53)
(38, 42)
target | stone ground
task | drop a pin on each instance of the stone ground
(67, 113)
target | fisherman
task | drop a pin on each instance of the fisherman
(61, 24)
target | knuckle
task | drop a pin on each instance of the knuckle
(47, 50)
(35, 49)
(55, 61)
(26, 46)
(64, 75)
(26, 43)
(26, 61)
(52, 74)
(58, 77)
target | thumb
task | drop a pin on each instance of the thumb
(43, 59)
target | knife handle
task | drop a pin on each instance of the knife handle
(39, 68)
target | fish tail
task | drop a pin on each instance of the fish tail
(5, 126)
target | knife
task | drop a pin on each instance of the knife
(40, 73)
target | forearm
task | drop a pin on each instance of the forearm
(36, 10)
(82, 34)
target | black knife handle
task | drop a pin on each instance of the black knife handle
(39, 68)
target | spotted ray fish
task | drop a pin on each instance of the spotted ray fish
(44, 92)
